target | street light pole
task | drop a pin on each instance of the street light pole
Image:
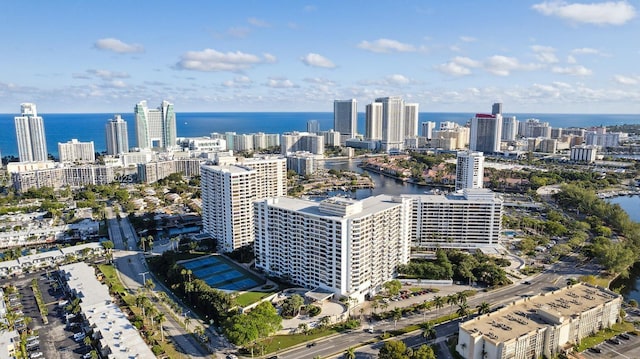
(144, 278)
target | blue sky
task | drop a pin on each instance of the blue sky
(450, 56)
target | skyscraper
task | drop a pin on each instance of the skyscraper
(32, 145)
(393, 109)
(373, 121)
(411, 120)
(469, 170)
(345, 117)
(228, 193)
(486, 131)
(496, 109)
(509, 128)
(313, 126)
(117, 136)
(76, 151)
(155, 128)
(427, 129)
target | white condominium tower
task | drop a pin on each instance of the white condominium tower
(469, 170)
(228, 193)
(411, 120)
(468, 220)
(117, 136)
(32, 145)
(393, 109)
(373, 121)
(76, 151)
(345, 117)
(342, 245)
(486, 131)
(155, 128)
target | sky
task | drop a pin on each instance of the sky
(255, 56)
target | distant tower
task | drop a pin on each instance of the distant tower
(155, 128)
(496, 109)
(427, 129)
(509, 128)
(117, 136)
(345, 117)
(469, 170)
(486, 131)
(32, 145)
(411, 120)
(393, 109)
(313, 126)
(373, 121)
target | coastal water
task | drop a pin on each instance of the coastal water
(630, 286)
(91, 127)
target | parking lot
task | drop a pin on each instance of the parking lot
(53, 340)
(619, 347)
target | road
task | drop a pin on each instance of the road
(334, 346)
(133, 272)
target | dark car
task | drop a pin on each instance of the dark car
(526, 282)
(311, 345)
(595, 350)
(613, 341)
(624, 336)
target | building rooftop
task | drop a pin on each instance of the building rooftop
(529, 314)
(369, 205)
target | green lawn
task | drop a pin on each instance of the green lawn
(112, 278)
(605, 334)
(247, 298)
(279, 342)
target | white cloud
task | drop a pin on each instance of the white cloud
(279, 82)
(627, 80)
(118, 84)
(102, 74)
(258, 22)
(571, 59)
(317, 60)
(605, 13)
(467, 39)
(578, 70)
(585, 51)
(118, 46)
(239, 81)
(465, 61)
(319, 81)
(545, 54)
(212, 60)
(238, 32)
(269, 58)
(458, 66)
(310, 8)
(503, 66)
(386, 46)
(453, 69)
(398, 79)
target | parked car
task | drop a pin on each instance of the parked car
(624, 336)
(614, 341)
(595, 350)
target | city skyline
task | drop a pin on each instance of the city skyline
(561, 57)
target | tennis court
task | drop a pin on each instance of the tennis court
(220, 273)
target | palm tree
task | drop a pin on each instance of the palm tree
(304, 328)
(325, 321)
(350, 353)
(428, 331)
(463, 309)
(452, 299)
(160, 318)
(87, 340)
(462, 297)
(438, 302)
(483, 308)
(396, 314)
(426, 306)
(187, 321)
(149, 284)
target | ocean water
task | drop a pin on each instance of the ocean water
(91, 126)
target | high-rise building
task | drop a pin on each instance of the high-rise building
(509, 128)
(496, 109)
(76, 151)
(393, 109)
(342, 245)
(486, 131)
(155, 128)
(301, 141)
(373, 121)
(532, 128)
(427, 129)
(228, 193)
(469, 219)
(313, 126)
(32, 145)
(411, 119)
(117, 136)
(469, 170)
(345, 117)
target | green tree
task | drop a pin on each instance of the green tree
(393, 287)
(483, 308)
(438, 302)
(396, 314)
(423, 352)
(428, 331)
(393, 349)
(160, 318)
(350, 353)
